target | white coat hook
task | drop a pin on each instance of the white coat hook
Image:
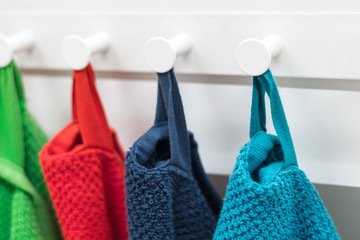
(76, 51)
(9, 45)
(160, 53)
(254, 56)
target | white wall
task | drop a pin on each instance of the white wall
(184, 5)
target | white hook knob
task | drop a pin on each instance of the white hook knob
(12, 44)
(76, 51)
(254, 56)
(160, 53)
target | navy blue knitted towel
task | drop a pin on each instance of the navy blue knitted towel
(268, 196)
(168, 193)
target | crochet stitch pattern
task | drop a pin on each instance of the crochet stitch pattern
(285, 206)
(25, 202)
(35, 138)
(87, 212)
(165, 202)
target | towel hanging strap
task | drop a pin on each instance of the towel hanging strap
(169, 108)
(88, 111)
(266, 83)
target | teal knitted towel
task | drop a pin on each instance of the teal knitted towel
(268, 196)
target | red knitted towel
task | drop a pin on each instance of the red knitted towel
(84, 169)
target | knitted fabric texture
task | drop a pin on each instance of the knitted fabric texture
(24, 200)
(87, 189)
(85, 180)
(166, 203)
(34, 139)
(287, 207)
(163, 200)
(268, 196)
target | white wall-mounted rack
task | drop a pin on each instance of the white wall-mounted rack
(316, 45)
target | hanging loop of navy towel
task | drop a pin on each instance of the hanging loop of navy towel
(266, 83)
(169, 108)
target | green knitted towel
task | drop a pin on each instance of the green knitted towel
(26, 210)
